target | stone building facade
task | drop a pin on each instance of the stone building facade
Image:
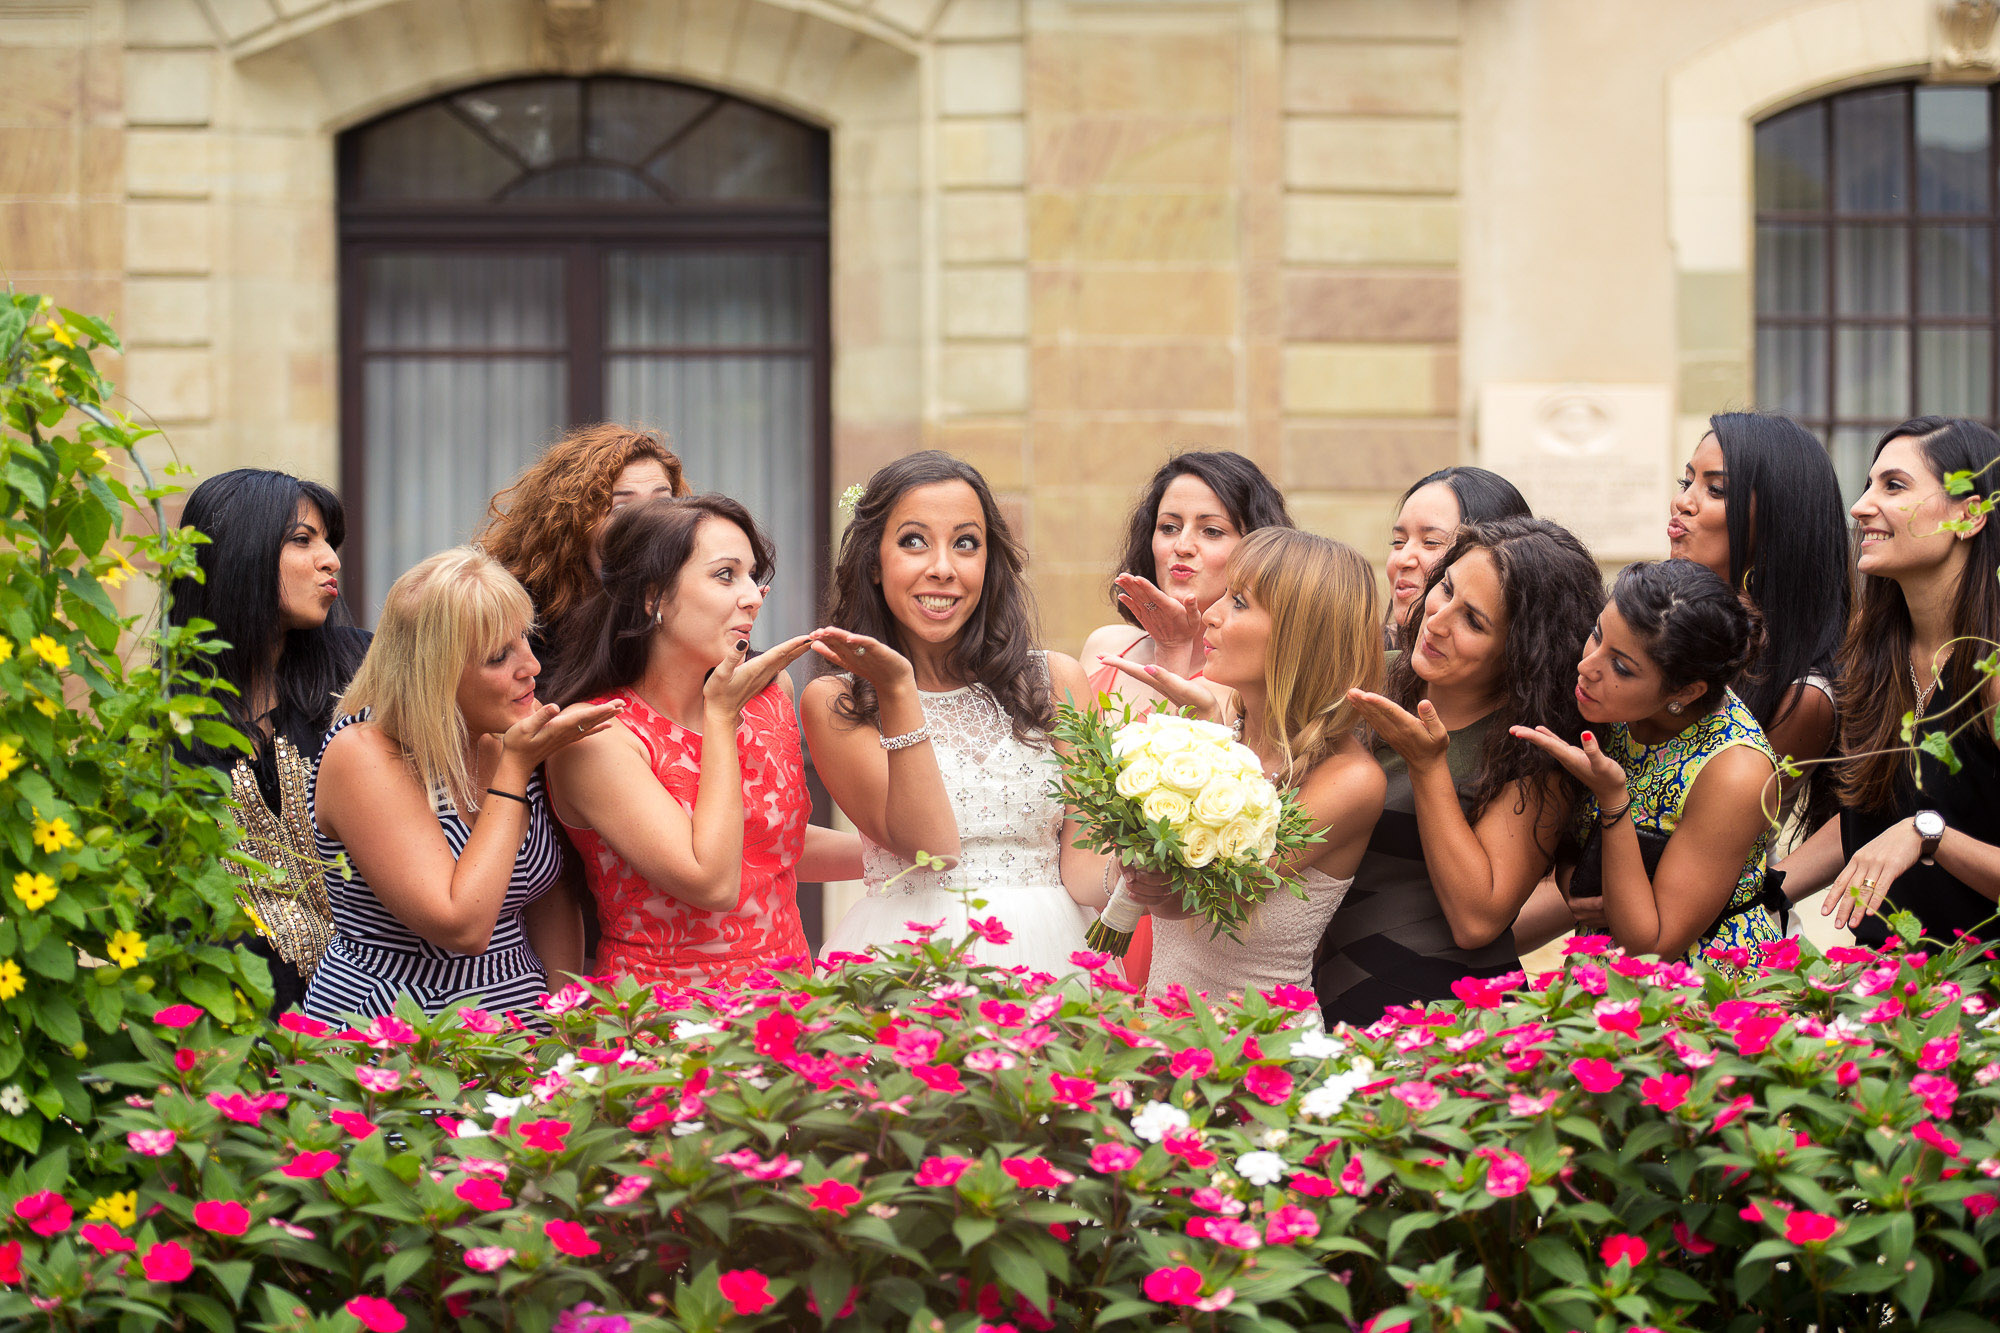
(1065, 236)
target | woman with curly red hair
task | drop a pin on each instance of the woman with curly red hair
(544, 527)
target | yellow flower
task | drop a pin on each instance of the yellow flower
(12, 983)
(127, 948)
(60, 332)
(46, 707)
(54, 835)
(121, 1210)
(116, 575)
(34, 889)
(10, 759)
(49, 651)
(6, 647)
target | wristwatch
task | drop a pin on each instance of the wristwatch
(1930, 827)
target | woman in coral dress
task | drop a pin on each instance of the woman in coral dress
(692, 814)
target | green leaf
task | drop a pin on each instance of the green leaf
(1559, 1261)
(1937, 744)
(55, 959)
(59, 1018)
(1020, 1272)
(207, 1309)
(23, 1131)
(212, 992)
(970, 1231)
(234, 1275)
(403, 1265)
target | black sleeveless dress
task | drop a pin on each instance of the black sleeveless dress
(1390, 942)
(1969, 800)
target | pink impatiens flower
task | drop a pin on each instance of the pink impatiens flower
(1619, 1016)
(1288, 1223)
(383, 1033)
(545, 1135)
(485, 1195)
(1937, 1094)
(1936, 1138)
(488, 1258)
(375, 1079)
(1225, 1231)
(178, 1016)
(167, 1261)
(1192, 1063)
(1419, 1097)
(1666, 1091)
(355, 1123)
(625, 1191)
(1296, 999)
(225, 1217)
(1268, 1083)
(1623, 1249)
(938, 1172)
(834, 1196)
(310, 1165)
(1804, 1228)
(990, 929)
(1690, 1242)
(939, 1078)
(1596, 1075)
(46, 1212)
(1112, 1157)
(294, 1021)
(1077, 1092)
(748, 1290)
(1508, 1174)
(1354, 1178)
(1939, 1053)
(151, 1142)
(246, 1109)
(480, 1021)
(570, 1238)
(376, 1314)
(1035, 1173)
(107, 1239)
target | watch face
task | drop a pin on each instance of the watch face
(1930, 823)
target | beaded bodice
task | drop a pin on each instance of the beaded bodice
(1009, 825)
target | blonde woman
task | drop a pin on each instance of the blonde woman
(1299, 625)
(427, 806)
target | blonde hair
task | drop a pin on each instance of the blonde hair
(458, 607)
(1326, 638)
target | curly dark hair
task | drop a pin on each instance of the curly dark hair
(643, 551)
(1695, 628)
(993, 649)
(1246, 493)
(1553, 594)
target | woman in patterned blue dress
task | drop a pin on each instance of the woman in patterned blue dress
(1683, 791)
(427, 805)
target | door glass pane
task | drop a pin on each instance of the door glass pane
(712, 348)
(539, 120)
(1872, 373)
(1791, 270)
(429, 153)
(1953, 170)
(1955, 372)
(463, 379)
(1871, 270)
(632, 119)
(1791, 371)
(1870, 138)
(1791, 160)
(1954, 270)
(740, 153)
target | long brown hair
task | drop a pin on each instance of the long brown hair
(1326, 638)
(541, 527)
(1874, 687)
(644, 550)
(993, 649)
(1553, 594)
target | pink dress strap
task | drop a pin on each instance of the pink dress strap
(655, 936)
(1105, 677)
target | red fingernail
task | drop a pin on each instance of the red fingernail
(1587, 736)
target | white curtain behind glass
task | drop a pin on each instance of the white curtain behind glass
(714, 349)
(464, 382)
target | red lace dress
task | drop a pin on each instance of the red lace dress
(654, 936)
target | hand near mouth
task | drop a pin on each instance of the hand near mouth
(1419, 737)
(1173, 623)
(1176, 689)
(858, 655)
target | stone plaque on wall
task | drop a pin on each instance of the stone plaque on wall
(1592, 457)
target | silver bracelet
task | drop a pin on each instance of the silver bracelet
(907, 739)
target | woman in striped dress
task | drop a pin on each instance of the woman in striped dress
(427, 806)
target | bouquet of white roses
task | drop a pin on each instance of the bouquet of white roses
(1184, 799)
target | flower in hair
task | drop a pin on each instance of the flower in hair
(850, 498)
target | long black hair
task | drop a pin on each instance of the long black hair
(1482, 495)
(1553, 594)
(640, 558)
(1247, 496)
(1794, 563)
(248, 515)
(1694, 626)
(993, 649)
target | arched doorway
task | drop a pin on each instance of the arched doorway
(525, 255)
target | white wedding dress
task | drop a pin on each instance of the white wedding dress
(1010, 840)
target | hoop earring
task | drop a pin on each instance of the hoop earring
(1748, 570)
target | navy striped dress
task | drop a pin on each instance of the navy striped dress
(374, 957)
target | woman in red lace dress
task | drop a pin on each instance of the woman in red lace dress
(691, 813)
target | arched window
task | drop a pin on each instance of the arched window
(524, 256)
(1876, 263)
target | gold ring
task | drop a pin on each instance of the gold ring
(1867, 883)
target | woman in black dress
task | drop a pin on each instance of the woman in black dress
(271, 586)
(1913, 834)
(1473, 815)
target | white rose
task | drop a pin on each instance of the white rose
(1130, 738)
(1198, 847)
(1186, 771)
(1221, 800)
(1164, 741)
(1237, 838)
(1259, 796)
(1215, 731)
(1138, 777)
(1166, 804)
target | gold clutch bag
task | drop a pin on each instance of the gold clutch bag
(290, 909)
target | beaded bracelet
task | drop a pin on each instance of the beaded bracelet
(907, 739)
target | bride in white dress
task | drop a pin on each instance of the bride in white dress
(939, 747)
(1297, 629)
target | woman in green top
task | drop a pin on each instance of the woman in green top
(1472, 815)
(1683, 790)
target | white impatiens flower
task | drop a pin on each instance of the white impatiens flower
(13, 1100)
(1317, 1045)
(1325, 1101)
(687, 1127)
(1261, 1168)
(1151, 1122)
(686, 1029)
(504, 1108)
(1274, 1138)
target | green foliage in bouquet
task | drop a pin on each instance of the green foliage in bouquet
(114, 893)
(1220, 877)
